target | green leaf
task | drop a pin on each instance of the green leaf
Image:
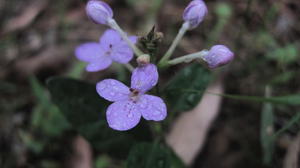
(282, 78)
(149, 155)
(193, 77)
(46, 117)
(78, 100)
(284, 55)
(30, 142)
(77, 70)
(102, 162)
(85, 110)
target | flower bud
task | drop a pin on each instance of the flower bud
(99, 11)
(194, 13)
(217, 56)
(143, 59)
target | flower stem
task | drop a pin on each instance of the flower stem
(129, 67)
(186, 58)
(185, 26)
(113, 24)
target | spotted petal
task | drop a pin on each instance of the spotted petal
(89, 51)
(112, 90)
(152, 107)
(123, 115)
(122, 53)
(144, 78)
(110, 38)
(99, 64)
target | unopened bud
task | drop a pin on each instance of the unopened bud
(143, 59)
(99, 11)
(217, 56)
(194, 13)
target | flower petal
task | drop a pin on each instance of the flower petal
(152, 107)
(133, 39)
(110, 38)
(217, 56)
(195, 12)
(99, 11)
(144, 77)
(123, 115)
(112, 90)
(89, 51)
(99, 64)
(122, 53)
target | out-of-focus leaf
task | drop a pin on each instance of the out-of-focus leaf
(267, 131)
(193, 77)
(283, 77)
(264, 40)
(6, 87)
(223, 11)
(294, 120)
(113, 142)
(102, 162)
(149, 155)
(46, 116)
(77, 70)
(284, 55)
(49, 164)
(78, 101)
(85, 110)
(31, 143)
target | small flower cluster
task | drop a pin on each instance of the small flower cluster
(130, 104)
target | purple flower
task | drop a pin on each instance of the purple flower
(98, 11)
(217, 56)
(111, 47)
(132, 103)
(194, 13)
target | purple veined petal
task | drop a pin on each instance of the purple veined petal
(122, 53)
(98, 11)
(123, 115)
(110, 38)
(195, 12)
(143, 78)
(217, 56)
(89, 51)
(112, 90)
(99, 64)
(133, 39)
(152, 107)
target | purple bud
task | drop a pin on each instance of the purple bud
(98, 11)
(194, 13)
(217, 56)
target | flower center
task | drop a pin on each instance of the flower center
(134, 95)
(107, 53)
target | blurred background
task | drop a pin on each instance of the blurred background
(37, 41)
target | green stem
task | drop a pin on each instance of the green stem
(129, 67)
(113, 24)
(186, 58)
(185, 26)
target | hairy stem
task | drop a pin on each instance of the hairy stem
(186, 58)
(113, 24)
(185, 26)
(129, 67)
